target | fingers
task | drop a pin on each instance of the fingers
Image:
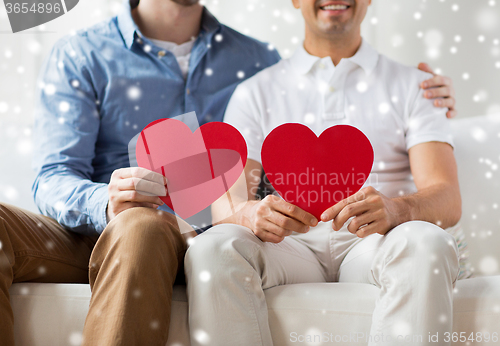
(359, 221)
(132, 196)
(141, 173)
(146, 187)
(286, 223)
(446, 103)
(272, 233)
(451, 113)
(374, 227)
(436, 81)
(294, 212)
(444, 91)
(273, 219)
(425, 67)
(347, 212)
(128, 205)
(332, 212)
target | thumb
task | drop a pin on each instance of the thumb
(426, 68)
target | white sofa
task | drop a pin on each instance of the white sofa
(54, 314)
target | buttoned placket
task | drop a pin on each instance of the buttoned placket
(330, 81)
(166, 58)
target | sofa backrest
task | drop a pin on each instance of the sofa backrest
(477, 150)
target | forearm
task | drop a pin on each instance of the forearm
(238, 213)
(439, 204)
(75, 202)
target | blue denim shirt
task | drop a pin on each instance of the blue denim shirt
(102, 86)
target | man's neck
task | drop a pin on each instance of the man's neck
(336, 48)
(168, 21)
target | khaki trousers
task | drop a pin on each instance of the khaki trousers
(131, 268)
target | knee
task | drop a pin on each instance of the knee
(425, 238)
(143, 226)
(220, 245)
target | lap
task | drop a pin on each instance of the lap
(287, 262)
(374, 249)
(37, 248)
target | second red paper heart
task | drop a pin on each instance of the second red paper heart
(314, 173)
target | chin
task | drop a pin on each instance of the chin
(333, 29)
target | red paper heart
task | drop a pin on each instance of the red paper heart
(200, 167)
(315, 173)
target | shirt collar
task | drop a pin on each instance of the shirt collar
(366, 57)
(129, 30)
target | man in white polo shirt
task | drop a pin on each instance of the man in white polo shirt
(395, 238)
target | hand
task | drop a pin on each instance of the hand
(441, 89)
(272, 219)
(372, 211)
(134, 187)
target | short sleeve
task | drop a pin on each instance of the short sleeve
(426, 122)
(243, 112)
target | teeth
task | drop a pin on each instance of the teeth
(335, 7)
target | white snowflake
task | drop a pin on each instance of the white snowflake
(309, 118)
(362, 87)
(134, 93)
(11, 193)
(64, 106)
(205, 276)
(488, 265)
(201, 336)
(4, 107)
(401, 328)
(49, 89)
(75, 338)
(384, 107)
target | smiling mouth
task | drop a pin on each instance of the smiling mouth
(334, 7)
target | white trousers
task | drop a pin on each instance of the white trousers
(228, 268)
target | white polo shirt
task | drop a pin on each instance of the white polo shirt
(377, 95)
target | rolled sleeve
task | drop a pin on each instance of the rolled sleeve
(66, 128)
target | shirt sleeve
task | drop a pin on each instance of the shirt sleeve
(244, 114)
(66, 128)
(424, 121)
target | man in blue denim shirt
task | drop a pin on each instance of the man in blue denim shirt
(99, 88)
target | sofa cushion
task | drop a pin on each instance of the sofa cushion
(54, 314)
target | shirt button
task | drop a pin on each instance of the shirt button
(188, 91)
(161, 53)
(321, 66)
(332, 89)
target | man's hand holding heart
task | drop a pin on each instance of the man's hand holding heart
(134, 187)
(372, 212)
(272, 219)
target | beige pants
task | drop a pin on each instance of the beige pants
(228, 268)
(131, 267)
